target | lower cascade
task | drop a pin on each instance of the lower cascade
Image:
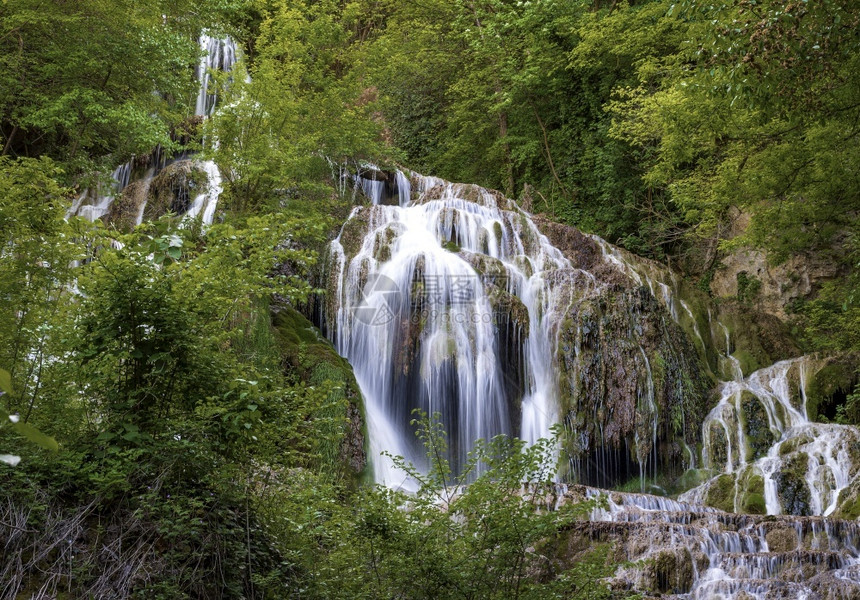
(684, 550)
(450, 299)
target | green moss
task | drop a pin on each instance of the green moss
(353, 232)
(848, 506)
(747, 361)
(794, 495)
(754, 419)
(721, 493)
(792, 444)
(451, 246)
(690, 479)
(752, 498)
(309, 357)
(823, 390)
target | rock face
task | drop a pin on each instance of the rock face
(310, 358)
(174, 189)
(149, 196)
(749, 275)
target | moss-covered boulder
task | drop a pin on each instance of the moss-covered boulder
(125, 210)
(756, 426)
(827, 390)
(721, 493)
(310, 358)
(174, 189)
(793, 493)
(751, 493)
(626, 371)
(782, 537)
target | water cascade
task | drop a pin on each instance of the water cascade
(125, 197)
(448, 298)
(682, 550)
(769, 455)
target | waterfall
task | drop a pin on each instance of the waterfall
(220, 55)
(681, 549)
(422, 293)
(449, 299)
(760, 429)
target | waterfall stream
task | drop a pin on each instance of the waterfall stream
(220, 55)
(420, 299)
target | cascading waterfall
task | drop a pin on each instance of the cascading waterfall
(680, 549)
(419, 303)
(760, 429)
(220, 55)
(448, 298)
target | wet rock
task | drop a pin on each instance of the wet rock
(632, 376)
(791, 485)
(125, 210)
(721, 493)
(174, 189)
(782, 539)
(754, 418)
(310, 358)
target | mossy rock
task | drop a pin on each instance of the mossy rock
(756, 425)
(719, 445)
(451, 246)
(782, 539)
(354, 230)
(830, 386)
(848, 505)
(752, 495)
(124, 210)
(174, 189)
(673, 571)
(793, 493)
(758, 339)
(383, 241)
(721, 493)
(792, 444)
(747, 361)
(690, 479)
(308, 357)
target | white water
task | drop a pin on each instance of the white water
(729, 555)
(426, 297)
(829, 450)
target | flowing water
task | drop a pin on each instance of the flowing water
(420, 298)
(685, 550)
(220, 55)
(447, 298)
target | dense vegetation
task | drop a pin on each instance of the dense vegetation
(196, 443)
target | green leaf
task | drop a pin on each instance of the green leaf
(31, 433)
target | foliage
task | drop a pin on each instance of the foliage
(300, 108)
(490, 539)
(96, 81)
